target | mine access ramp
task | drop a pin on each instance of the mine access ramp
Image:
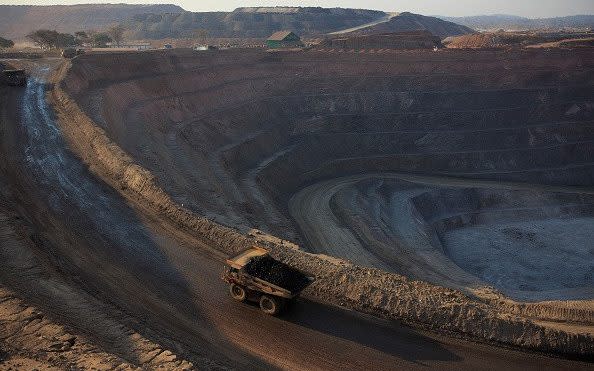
(255, 276)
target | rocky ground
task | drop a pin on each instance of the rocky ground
(374, 295)
(70, 331)
(144, 252)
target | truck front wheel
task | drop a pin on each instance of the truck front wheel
(237, 292)
(271, 305)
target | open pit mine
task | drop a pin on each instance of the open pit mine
(468, 170)
(442, 202)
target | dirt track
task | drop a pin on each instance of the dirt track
(166, 282)
(384, 19)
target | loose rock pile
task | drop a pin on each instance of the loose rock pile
(277, 273)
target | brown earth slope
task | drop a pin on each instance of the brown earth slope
(510, 22)
(394, 40)
(406, 21)
(516, 39)
(251, 22)
(16, 21)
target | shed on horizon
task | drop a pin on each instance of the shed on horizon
(284, 39)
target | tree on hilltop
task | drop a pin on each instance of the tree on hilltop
(100, 40)
(48, 39)
(82, 37)
(116, 33)
(5, 43)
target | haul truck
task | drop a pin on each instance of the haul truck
(255, 276)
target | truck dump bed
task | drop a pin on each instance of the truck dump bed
(245, 256)
(277, 273)
(256, 268)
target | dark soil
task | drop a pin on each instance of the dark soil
(3, 355)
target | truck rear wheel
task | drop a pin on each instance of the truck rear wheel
(271, 305)
(237, 292)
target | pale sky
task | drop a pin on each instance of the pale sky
(527, 8)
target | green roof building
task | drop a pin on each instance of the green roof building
(284, 39)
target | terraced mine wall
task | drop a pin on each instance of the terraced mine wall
(535, 240)
(451, 208)
(208, 130)
(529, 242)
(266, 117)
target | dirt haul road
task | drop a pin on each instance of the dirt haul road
(119, 253)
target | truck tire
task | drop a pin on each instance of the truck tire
(237, 292)
(271, 305)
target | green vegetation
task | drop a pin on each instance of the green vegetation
(5, 43)
(50, 39)
(116, 33)
(100, 40)
(82, 38)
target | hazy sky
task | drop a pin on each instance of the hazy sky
(528, 8)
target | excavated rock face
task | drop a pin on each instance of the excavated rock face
(234, 135)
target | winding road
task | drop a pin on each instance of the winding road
(383, 19)
(120, 252)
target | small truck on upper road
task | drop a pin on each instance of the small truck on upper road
(71, 52)
(254, 275)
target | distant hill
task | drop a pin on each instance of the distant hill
(415, 22)
(171, 21)
(510, 22)
(520, 39)
(250, 22)
(16, 21)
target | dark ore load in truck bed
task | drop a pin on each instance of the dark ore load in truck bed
(277, 273)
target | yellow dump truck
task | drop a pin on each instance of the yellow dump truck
(254, 275)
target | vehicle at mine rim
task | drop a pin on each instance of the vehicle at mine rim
(70, 53)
